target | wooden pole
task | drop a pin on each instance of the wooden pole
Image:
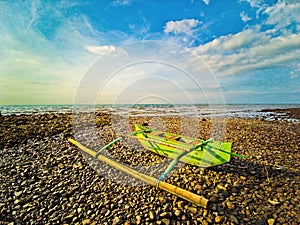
(189, 196)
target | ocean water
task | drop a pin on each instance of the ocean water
(199, 111)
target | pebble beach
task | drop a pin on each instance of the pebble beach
(45, 179)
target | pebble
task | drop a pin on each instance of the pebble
(165, 214)
(116, 221)
(152, 215)
(233, 219)
(177, 212)
(271, 221)
(281, 220)
(18, 193)
(204, 222)
(166, 221)
(48, 180)
(218, 219)
(138, 219)
(192, 210)
(230, 205)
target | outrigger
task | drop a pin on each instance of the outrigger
(193, 151)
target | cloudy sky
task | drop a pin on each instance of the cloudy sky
(131, 51)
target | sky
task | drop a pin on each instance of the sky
(135, 51)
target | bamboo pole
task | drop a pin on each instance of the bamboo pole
(189, 196)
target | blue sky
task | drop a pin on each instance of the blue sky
(241, 51)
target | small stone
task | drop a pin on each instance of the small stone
(204, 222)
(79, 210)
(152, 215)
(281, 220)
(177, 212)
(18, 193)
(17, 201)
(218, 219)
(27, 205)
(197, 187)
(230, 205)
(221, 187)
(166, 221)
(138, 219)
(273, 202)
(78, 165)
(192, 210)
(162, 199)
(233, 219)
(107, 213)
(271, 221)
(180, 204)
(213, 199)
(116, 220)
(86, 221)
(243, 178)
(209, 220)
(165, 214)
(234, 189)
(69, 216)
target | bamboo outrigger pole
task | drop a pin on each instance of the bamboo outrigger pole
(189, 196)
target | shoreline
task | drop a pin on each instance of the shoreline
(45, 179)
(287, 112)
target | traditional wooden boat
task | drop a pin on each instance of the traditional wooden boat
(198, 152)
(193, 151)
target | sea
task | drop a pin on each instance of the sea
(182, 110)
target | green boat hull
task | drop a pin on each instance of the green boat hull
(172, 145)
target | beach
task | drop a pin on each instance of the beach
(47, 180)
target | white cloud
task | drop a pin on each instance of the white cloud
(233, 43)
(120, 2)
(255, 3)
(186, 26)
(282, 15)
(206, 1)
(245, 17)
(249, 50)
(101, 50)
(259, 5)
(105, 50)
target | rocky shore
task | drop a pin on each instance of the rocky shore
(292, 113)
(46, 180)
